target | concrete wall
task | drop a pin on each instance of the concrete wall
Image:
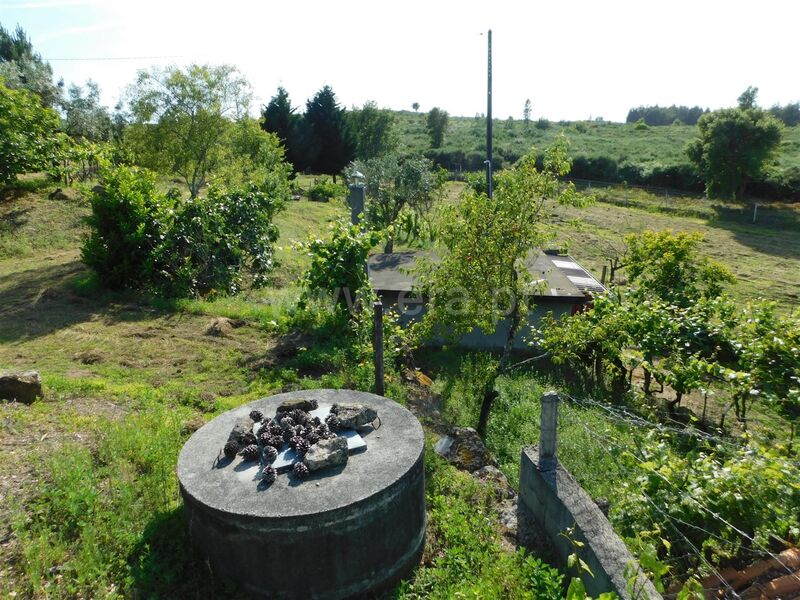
(555, 501)
(411, 309)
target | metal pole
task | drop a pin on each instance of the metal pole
(377, 346)
(489, 185)
(548, 432)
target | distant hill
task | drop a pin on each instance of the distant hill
(614, 152)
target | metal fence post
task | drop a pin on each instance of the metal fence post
(377, 345)
(548, 432)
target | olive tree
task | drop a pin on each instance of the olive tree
(183, 117)
(396, 183)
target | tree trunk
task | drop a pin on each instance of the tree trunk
(599, 380)
(389, 247)
(490, 393)
(647, 379)
(676, 402)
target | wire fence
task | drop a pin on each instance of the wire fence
(614, 447)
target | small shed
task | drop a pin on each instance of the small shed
(562, 286)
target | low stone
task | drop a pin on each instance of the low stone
(327, 453)
(88, 357)
(222, 326)
(495, 477)
(20, 386)
(301, 403)
(353, 416)
(465, 450)
(57, 194)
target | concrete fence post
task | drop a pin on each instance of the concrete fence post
(356, 202)
(548, 432)
(377, 346)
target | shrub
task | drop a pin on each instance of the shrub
(325, 190)
(124, 227)
(27, 133)
(338, 264)
(143, 239)
(212, 242)
(542, 123)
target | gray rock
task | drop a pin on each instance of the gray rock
(20, 386)
(222, 326)
(57, 194)
(495, 477)
(465, 449)
(241, 435)
(327, 453)
(306, 404)
(353, 416)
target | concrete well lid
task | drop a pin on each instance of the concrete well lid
(233, 487)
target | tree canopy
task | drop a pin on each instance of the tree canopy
(84, 116)
(373, 131)
(23, 68)
(734, 146)
(436, 124)
(395, 183)
(331, 136)
(183, 117)
(482, 279)
(27, 133)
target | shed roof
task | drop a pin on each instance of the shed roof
(557, 275)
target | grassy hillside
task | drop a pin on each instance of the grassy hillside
(649, 148)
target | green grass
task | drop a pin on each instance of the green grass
(89, 484)
(765, 257)
(622, 142)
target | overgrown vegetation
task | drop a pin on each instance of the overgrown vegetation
(143, 239)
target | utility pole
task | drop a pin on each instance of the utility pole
(489, 123)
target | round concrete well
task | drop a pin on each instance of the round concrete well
(342, 532)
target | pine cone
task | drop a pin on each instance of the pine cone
(256, 416)
(250, 452)
(270, 453)
(300, 470)
(269, 474)
(299, 416)
(312, 437)
(332, 421)
(231, 449)
(287, 423)
(249, 438)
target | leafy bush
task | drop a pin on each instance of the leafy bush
(463, 557)
(125, 227)
(338, 265)
(702, 498)
(143, 239)
(27, 133)
(326, 190)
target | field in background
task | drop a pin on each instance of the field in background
(623, 142)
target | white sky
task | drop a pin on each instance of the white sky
(573, 59)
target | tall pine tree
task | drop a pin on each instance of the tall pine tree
(331, 135)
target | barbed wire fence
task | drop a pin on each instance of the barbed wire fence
(614, 448)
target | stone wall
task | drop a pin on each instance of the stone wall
(554, 500)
